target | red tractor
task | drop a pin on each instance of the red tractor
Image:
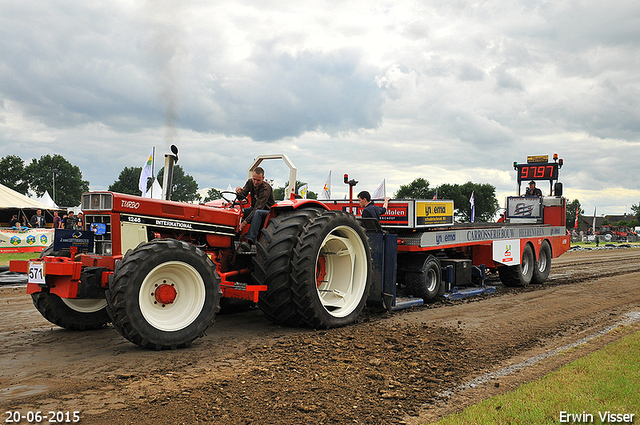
(157, 269)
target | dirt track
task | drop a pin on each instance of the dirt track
(386, 369)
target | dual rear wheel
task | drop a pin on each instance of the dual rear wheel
(529, 270)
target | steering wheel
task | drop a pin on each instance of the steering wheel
(237, 198)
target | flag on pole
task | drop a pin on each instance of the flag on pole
(287, 192)
(593, 228)
(381, 191)
(577, 212)
(473, 208)
(435, 197)
(302, 191)
(145, 174)
(326, 190)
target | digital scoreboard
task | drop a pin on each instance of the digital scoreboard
(538, 171)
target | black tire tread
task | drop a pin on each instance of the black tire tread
(52, 308)
(272, 266)
(539, 277)
(118, 298)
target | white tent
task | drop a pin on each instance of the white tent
(47, 200)
(157, 190)
(9, 198)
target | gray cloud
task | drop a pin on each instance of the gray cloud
(446, 91)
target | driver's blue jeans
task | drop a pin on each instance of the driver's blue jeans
(256, 223)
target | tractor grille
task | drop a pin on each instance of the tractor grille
(102, 243)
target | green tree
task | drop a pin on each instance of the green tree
(278, 193)
(417, 189)
(184, 188)
(484, 196)
(12, 174)
(636, 213)
(69, 185)
(212, 195)
(571, 213)
(127, 181)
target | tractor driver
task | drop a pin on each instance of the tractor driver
(370, 210)
(532, 190)
(261, 201)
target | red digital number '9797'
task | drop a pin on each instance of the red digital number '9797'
(536, 172)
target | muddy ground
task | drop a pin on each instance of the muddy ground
(394, 368)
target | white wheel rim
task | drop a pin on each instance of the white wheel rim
(85, 306)
(345, 271)
(432, 280)
(189, 300)
(542, 261)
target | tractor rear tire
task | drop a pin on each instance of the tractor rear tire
(72, 314)
(331, 270)
(272, 266)
(543, 265)
(164, 294)
(428, 283)
(521, 274)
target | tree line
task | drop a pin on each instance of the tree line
(64, 182)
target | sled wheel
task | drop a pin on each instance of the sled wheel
(428, 283)
(331, 270)
(543, 265)
(272, 266)
(521, 274)
(164, 294)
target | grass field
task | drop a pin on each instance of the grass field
(5, 258)
(588, 390)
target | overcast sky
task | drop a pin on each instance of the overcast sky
(450, 91)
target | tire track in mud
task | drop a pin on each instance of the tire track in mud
(382, 369)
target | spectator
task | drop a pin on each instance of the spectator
(57, 221)
(79, 221)
(15, 223)
(69, 221)
(37, 220)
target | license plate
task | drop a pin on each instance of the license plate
(36, 273)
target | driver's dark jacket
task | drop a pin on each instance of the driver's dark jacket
(261, 197)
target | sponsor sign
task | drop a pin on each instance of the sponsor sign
(434, 212)
(64, 239)
(537, 158)
(507, 252)
(524, 207)
(31, 240)
(467, 236)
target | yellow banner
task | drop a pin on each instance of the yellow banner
(534, 159)
(434, 212)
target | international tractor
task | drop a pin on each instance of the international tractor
(158, 269)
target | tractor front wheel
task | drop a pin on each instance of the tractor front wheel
(164, 294)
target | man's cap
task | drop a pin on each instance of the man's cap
(532, 182)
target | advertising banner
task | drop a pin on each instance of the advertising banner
(524, 207)
(434, 212)
(31, 240)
